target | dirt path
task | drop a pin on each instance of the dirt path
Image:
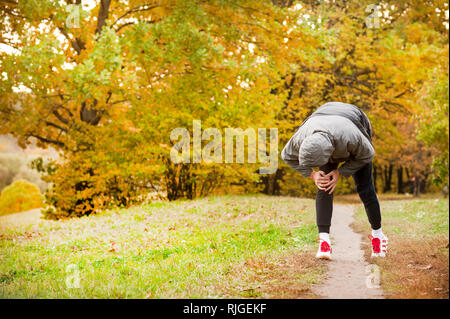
(349, 274)
(30, 217)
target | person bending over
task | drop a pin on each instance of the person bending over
(337, 132)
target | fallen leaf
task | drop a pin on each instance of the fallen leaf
(425, 267)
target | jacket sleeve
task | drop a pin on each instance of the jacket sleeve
(362, 153)
(292, 161)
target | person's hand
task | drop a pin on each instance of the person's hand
(330, 184)
(319, 179)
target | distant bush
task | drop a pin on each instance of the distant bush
(20, 196)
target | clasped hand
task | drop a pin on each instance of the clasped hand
(326, 182)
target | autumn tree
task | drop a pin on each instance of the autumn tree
(378, 63)
(433, 124)
(106, 85)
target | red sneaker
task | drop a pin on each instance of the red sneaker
(379, 246)
(324, 251)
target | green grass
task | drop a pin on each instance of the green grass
(181, 249)
(417, 217)
(417, 265)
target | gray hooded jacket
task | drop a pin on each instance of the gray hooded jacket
(330, 135)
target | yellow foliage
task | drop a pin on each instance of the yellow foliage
(20, 196)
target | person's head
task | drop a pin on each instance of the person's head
(316, 150)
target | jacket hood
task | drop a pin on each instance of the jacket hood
(316, 150)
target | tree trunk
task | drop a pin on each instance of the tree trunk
(180, 182)
(391, 168)
(387, 178)
(271, 183)
(400, 180)
(416, 185)
(423, 183)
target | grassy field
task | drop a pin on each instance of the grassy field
(417, 265)
(215, 247)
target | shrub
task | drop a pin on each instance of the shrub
(20, 196)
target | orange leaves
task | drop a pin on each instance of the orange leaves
(20, 196)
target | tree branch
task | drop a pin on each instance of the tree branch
(59, 117)
(102, 14)
(55, 126)
(9, 2)
(77, 44)
(144, 7)
(47, 140)
(131, 23)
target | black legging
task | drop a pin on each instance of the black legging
(366, 191)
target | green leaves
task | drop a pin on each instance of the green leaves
(433, 128)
